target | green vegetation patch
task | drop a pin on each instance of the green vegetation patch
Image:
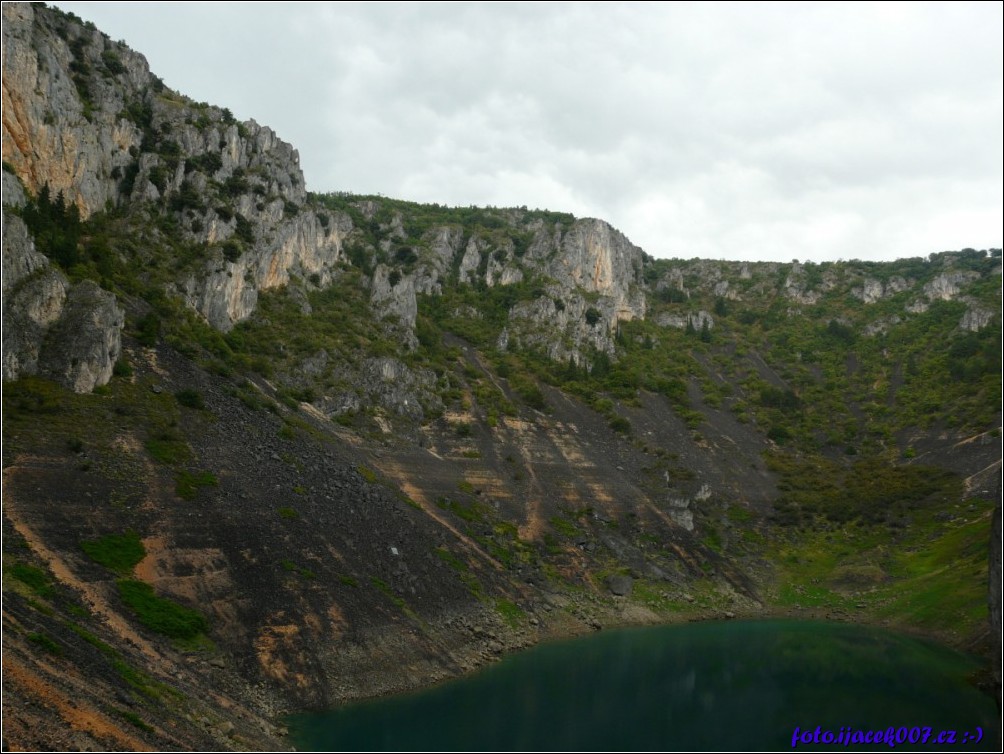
(35, 578)
(450, 559)
(564, 527)
(384, 588)
(873, 490)
(168, 449)
(289, 565)
(45, 642)
(133, 719)
(472, 512)
(190, 399)
(511, 612)
(116, 552)
(931, 575)
(159, 614)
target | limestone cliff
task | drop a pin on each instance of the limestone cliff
(84, 116)
(69, 333)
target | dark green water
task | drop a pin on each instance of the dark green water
(700, 686)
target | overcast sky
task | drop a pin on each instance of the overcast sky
(732, 131)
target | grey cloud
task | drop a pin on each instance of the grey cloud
(724, 130)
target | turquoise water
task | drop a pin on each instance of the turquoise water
(700, 686)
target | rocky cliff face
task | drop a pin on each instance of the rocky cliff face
(64, 86)
(84, 116)
(71, 333)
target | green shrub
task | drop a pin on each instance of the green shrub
(168, 449)
(117, 552)
(159, 614)
(122, 368)
(190, 398)
(620, 424)
(148, 329)
(188, 484)
(34, 577)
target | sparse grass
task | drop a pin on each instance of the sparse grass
(289, 565)
(411, 503)
(471, 512)
(116, 552)
(366, 473)
(450, 559)
(650, 594)
(739, 515)
(187, 484)
(288, 513)
(133, 719)
(564, 527)
(511, 612)
(91, 639)
(384, 588)
(463, 571)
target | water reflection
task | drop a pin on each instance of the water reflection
(741, 685)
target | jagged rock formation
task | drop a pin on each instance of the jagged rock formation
(872, 290)
(82, 346)
(69, 333)
(33, 293)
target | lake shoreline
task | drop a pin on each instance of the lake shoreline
(625, 614)
(779, 649)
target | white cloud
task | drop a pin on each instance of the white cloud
(723, 130)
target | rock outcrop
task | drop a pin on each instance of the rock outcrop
(82, 346)
(33, 296)
(596, 258)
(69, 333)
(872, 290)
